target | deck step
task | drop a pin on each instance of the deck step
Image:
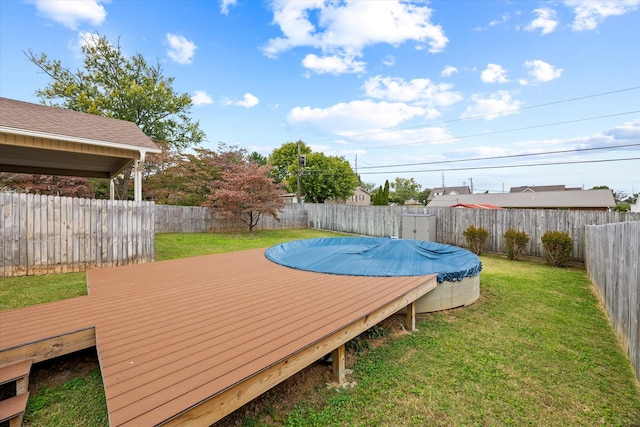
(18, 372)
(12, 409)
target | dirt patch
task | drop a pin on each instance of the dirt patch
(54, 372)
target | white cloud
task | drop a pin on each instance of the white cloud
(224, 6)
(546, 21)
(201, 97)
(406, 138)
(421, 92)
(248, 101)
(87, 39)
(492, 107)
(503, 19)
(494, 73)
(180, 49)
(344, 29)
(590, 13)
(448, 71)
(332, 64)
(542, 71)
(625, 134)
(355, 117)
(71, 13)
(389, 61)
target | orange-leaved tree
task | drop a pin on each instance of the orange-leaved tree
(245, 191)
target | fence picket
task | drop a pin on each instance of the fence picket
(612, 259)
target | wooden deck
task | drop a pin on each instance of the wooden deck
(189, 341)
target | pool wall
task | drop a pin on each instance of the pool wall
(450, 295)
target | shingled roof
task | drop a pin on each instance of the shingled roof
(44, 140)
(585, 199)
(58, 123)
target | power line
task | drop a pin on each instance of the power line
(507, 130)
(504, 166)
(510, 156)
(480, 116)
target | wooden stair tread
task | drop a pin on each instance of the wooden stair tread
(13, 407)
(16, 371)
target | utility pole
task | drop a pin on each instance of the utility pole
(299, 174)
(471, 184)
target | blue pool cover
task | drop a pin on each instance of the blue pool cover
(377, 256)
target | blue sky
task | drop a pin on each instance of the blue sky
(411, 89)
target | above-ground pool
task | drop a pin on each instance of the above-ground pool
(458, 269)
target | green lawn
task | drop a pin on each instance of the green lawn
(536, 349)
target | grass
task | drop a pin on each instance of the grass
(536, 349)
(171, 246)
(79, 401)
(18, 292)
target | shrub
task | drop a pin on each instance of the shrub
(557, 247)
(515, 241)
(475, 236)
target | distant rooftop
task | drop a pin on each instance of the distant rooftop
(585, 199)
(445, 191)
(539, 188)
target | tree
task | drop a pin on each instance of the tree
(173, 178)
(113, 85)
(424, 195)
(377, 197)
(324, 178)
(405, 189)
(283, 158)
(47, 185)
(385, 193)
(245, 191)
(367, 186)
(258, 158)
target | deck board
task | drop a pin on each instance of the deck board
(173, 334)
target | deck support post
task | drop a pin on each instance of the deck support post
(411, 317)
(339, 370)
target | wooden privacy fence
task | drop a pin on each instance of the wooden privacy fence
(46, 234)
(451, 223)
(49, 234)
(195, 219)
(613, 263)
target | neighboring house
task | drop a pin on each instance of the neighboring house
(290, 198)
(412, 202)
(636, 206)
(360, 197)
(448, 191)
(540, 188)
(597, 200)
(44, 140)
